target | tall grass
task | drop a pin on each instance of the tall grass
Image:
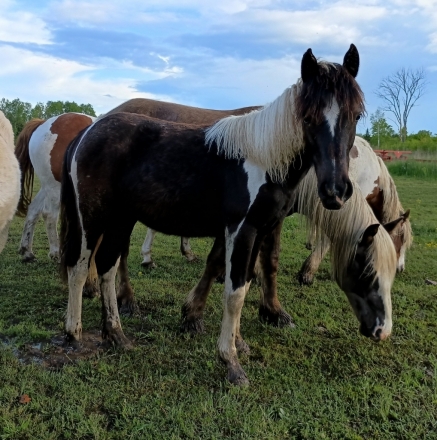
(413, 168)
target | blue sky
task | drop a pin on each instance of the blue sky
(216, 54)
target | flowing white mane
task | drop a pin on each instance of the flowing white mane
(344, 229)
(270, 137)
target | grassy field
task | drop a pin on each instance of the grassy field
(321, 380)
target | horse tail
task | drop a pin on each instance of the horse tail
(27, 172)
(70, 236)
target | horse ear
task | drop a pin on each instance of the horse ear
(406, 214)
(369, 235)
(309, 67)
(351, 61)
(391, 226)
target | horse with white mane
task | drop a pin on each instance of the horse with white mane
(237, 181)
(9, 178)
(378, 188)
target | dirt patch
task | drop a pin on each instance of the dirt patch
(53, 354)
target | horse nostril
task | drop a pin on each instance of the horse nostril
(377, 334)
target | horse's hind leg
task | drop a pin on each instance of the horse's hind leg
(115, 240)
(270, 309)
(146, 249)
(33, 214)
(125, 295)
(312, 263)
(186, 250)
(50, 214)
(192, 310)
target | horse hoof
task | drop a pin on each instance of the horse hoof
(242, 346)
(148, 265)
(70, 342)
(54, 256)
(89, 291)
(278, 318)
(28, 257)
(236, 375)
(191, 258)
(305, 278)
(193, 326)
(127, 309)
(117, 338)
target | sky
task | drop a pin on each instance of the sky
(221, 54)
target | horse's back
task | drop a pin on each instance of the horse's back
(169, 111)
(50, 140)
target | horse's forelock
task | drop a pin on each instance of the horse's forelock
(332, 82)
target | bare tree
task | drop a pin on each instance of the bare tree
(400, 93)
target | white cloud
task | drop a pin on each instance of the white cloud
(36, 77)
(21, 26)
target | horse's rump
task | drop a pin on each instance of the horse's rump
(27, 172)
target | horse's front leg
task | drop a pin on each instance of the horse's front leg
(312, 263)
(239, 246)
(270, 309)
(192, 310)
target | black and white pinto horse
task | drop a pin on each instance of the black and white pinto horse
(235, 179)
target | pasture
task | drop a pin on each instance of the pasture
(318, 380)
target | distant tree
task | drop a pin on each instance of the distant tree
(17, 111)
(400, 93)
(380, 127)
(367, 135)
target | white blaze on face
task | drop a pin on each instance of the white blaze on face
(331, 115)
(384, 291)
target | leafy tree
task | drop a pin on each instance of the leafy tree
(380, 127)
(19, 112)
(367, 135)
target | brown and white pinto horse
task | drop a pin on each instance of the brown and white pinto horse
(236, 180)
(41, 147)
(372, 177)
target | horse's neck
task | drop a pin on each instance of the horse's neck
(364, 170)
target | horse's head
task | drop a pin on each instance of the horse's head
(367, 282)
(329, 105)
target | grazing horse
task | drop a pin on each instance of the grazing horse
(40, 149)
(9, 179)
(363, 261)
(372, 177)
(235, 180)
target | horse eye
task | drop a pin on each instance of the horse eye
(358, 117)
(307, 120)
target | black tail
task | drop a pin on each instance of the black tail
(71, 233)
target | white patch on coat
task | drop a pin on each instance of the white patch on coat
(256, 177)
(331, 115)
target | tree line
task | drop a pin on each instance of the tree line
(383, 136)
(20, 112)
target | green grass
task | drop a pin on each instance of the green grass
(321, 380)
(412, 168)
